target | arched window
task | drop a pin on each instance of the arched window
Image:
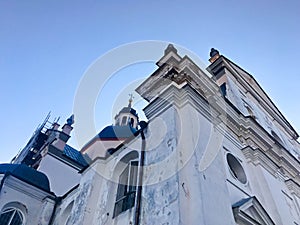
(127, 183)
(65, 216)
(124, 120)
(126, 188)
(131, 122)
(11, 216)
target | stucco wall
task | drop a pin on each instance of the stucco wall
(53, 167)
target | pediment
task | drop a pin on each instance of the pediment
(250, 212)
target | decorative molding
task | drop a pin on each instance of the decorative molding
(250, 211)
(279, 167)
(293, 187)
(257, 157)
(186, 83)
(25, 188)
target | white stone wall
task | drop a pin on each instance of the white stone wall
(62, 177)
(179, 192)
(38, 205)
(95, 197)
(99, 147)
(187, 176)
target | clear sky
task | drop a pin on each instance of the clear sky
(46, 46)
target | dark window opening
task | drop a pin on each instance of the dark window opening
(124, 120)
(11, 216)
(223, 89)
(236, 169)
(126, 188)
(131, 122)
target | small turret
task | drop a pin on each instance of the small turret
(64, 134)
(214, 55)
(125, 126)
(127, 115)
(67, 128)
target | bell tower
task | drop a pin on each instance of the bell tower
(127, 116)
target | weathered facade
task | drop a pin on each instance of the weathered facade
(215, 150)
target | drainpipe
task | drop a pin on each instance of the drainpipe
(143, 125)
(57, 201)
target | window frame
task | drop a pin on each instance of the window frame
(236, 168)
(127, 187)
(14, 211)
(124, 121)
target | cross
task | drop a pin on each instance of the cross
(131, 97)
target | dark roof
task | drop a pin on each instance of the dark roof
(27, 174)
(75, 155)
(116, 132)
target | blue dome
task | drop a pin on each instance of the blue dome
(27, 174)
(117, 132)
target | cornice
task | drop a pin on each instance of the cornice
(279, 166)
(251, 134)
(258, 157)
(27, 189)
(188, 84)
(293, 186)
(219, 68)
(242, 131)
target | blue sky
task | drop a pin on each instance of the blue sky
(46, 46)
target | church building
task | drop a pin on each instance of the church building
(214, 150)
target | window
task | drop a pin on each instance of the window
(223, 89)
(124, 120)
(65, 216)
(236, 169)
(131, 122)
(11, 216)
(126, 188)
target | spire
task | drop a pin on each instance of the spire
(130, 100)
(70, 120)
